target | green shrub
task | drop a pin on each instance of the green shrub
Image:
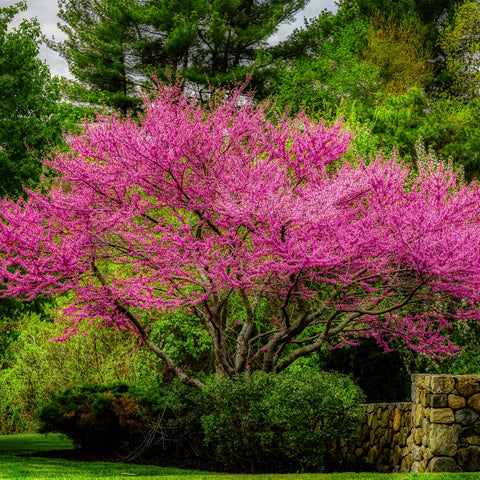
(103, 417)
(270, 422)
(287, 419)
(178, 410)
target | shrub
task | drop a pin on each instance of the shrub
(270, 422)
(103, 417)
(288, 419)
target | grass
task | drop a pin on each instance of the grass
(14, 466)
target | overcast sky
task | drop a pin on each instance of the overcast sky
(46, 13)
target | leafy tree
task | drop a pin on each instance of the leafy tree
(37, 368)
(461, 43)
(28, 103)
(328, 74)
(398, 52)
(233, 33)
(196, 206)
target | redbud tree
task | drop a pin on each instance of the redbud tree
(218, 209)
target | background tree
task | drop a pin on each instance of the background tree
(461, 43)
(233, 33)
(112, 47)
(398, 50)
(99, 51)
(28, 104)
(322, 71)
(195, 208)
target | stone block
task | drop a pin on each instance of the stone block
(428, 455)
(474, 440)
(456, 401)
(369, 419)
(443, 464)
(372, 455)
(438, 400)
(384, 419)
(442, 415)
(397, 420)
(443, 439)
(410, 443)
(416, 453)
(406, 464)
(442, 383)
(472, 430)
(466, 416)
(417, 436)
(419, 414)
(422, 451)
(468, 385)
(408, 420)
(418, 379)
(474, 402)
(469, 459)
(414, 393)
(415, 468)
(397, 455)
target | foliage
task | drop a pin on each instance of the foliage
(102, 417)
(113, 46)
(281, 419)
(446, 126)
(98, 49)
(35, 367)
(286, 420)
(398, 51)
(461, 44)
(184, 342)
(330, 74)
(197, 205)
(179, 410)
(28, 103)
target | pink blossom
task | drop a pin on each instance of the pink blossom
(195, 206)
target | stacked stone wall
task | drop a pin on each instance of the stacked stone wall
(439, 431)
(446, 433)
(382, 443)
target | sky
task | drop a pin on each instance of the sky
(46, 13)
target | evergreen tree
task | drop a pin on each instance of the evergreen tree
(113, 46)
(99, 51)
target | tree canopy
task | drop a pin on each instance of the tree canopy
(257, 229)
(28, 103)
(113, 46)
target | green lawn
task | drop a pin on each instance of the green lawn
(13, 466)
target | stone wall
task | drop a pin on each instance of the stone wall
(439, 431)
(382, 443)
(446, 430)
